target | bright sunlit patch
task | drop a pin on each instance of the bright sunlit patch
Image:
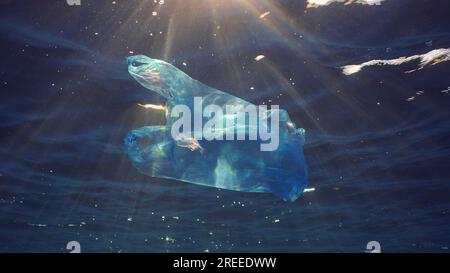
(259, 57)
(431, 58)
(153, 106)
(320, 3)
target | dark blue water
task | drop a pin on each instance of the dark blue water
(379, 161)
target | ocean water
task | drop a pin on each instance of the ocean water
(377, 139)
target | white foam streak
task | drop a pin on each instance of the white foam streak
(321, 3)
(431, 58)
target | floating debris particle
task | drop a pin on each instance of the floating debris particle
(153, 106)
(264, 14)
(259, 58)
(37, 225)
(431, 58)
(309, 190)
